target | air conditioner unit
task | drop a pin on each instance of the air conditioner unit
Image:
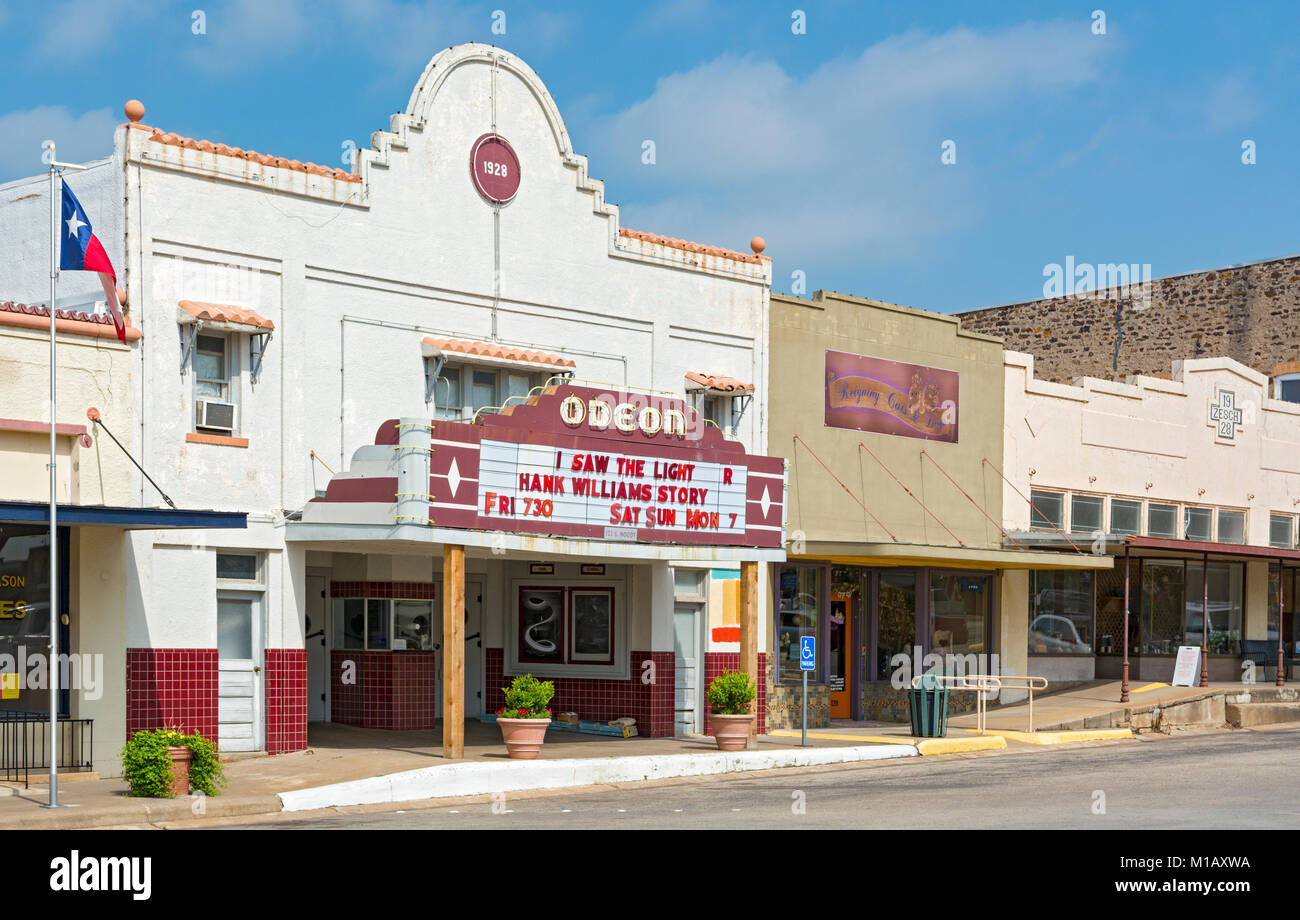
(212, 414)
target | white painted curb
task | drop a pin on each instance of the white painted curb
(479, 778)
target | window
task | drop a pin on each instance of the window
(1227, 590)
(412, 625)
(446, 394)
(896, 626)
(237, 567)
(591, 638)
(1281, 531)
(1085, 513)
(349, 622)
(1125, 516)
(718, 409)
(959, 607)
(1046, 510)
(1197, 524)
(1061, 613)
(799, 604)
(461, 391)
(216, 376)
(1163, 600)
(1232, 526)
(382, 624)
(1162, 521)
(1287, 387)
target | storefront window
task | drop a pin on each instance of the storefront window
(959, 615)
(1110, 610)
(25, 581)
(412, 625)
(1125, 516)
(1085, 513)
(1163, 597)
(349, 622)
(896, 619)
(1197, 523)
(1061, 613)
(1227, 592)
(1291, 638)
(800, 596)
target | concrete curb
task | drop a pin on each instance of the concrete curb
(1061, 737)
(467, 779)
(132, 811)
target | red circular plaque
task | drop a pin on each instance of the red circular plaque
(494, 167)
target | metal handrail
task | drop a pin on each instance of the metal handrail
(989, 683)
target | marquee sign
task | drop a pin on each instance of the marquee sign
(889, 397)
(583, 462)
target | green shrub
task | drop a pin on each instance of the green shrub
(527, 698)
(730, 694)
(147, 767)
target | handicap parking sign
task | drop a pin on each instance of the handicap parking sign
(807, 653)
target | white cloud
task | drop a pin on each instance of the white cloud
(87, 136)
(76, 29)
(1230, 103)
(840, 163)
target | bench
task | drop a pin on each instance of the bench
(1264, 653)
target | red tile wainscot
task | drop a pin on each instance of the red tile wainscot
(603, 699)
(286, 700)
(172, 688)
(717, 662)
(392, 690)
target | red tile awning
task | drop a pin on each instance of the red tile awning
(1220, 549)
(717, 383)
(496, 353)
(194, 310)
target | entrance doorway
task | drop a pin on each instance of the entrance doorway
(316, 642)
(474, 664)
(839, 666)
(239, 674)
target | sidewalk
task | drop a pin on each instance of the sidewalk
(338, 754)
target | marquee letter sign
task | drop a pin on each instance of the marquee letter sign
(583, 462)
(888, 397)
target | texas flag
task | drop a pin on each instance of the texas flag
(81, 251)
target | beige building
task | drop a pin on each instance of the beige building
(892, 422)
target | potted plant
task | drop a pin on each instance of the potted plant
(167, 763)
(730, 694)
(525, 716)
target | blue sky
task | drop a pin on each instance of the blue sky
(1116, 147)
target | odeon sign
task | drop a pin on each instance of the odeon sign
(599, 414)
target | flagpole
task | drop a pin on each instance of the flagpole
(55, 168)
(54, 505)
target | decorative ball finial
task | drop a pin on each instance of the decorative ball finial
(758, 244)
(93, 414)
(134, 110)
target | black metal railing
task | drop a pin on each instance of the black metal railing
(25, 744)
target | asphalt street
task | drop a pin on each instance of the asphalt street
(1220, 780)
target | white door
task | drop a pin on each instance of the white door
(473, 648)
(686, 668)
(316, 644)
(239, 672)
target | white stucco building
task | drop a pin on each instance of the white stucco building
(285, 311)
(1192, 474)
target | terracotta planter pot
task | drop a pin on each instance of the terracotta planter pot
(731, 732)
(181, 757)
(523, 737)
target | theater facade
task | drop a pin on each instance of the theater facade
(458, 272)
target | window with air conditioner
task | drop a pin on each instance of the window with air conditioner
(216, 384)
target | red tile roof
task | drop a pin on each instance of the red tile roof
(688, 246)
(69, 321)
(497, 351)
(190, 143)
(225, 313)
(719, 382)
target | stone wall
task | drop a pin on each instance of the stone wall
(1250, 313)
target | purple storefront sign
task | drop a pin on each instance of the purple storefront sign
(889, 397)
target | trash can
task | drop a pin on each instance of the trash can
(928, 705)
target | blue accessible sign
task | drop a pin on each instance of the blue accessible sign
(807, 653)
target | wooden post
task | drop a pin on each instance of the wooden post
(749, 634)
(453, 652)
